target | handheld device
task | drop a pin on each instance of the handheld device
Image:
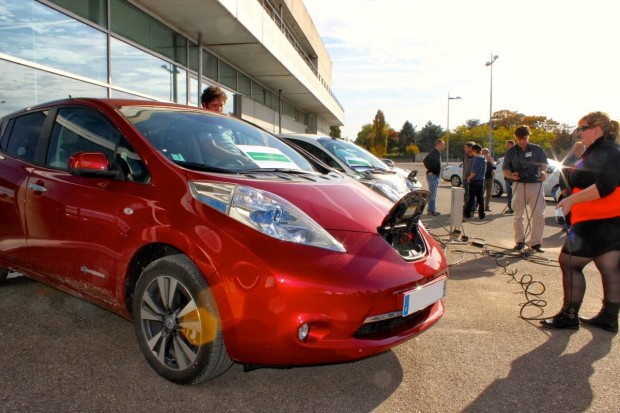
(559, 216)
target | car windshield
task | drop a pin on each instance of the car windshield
(197, 139)
(354, 156)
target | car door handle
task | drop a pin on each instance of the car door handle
(35, 187)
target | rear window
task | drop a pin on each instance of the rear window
(23, 137)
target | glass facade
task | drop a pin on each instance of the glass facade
(22, 86)
(38, 34)
(139, 27)
(134, 69)
(93, 10)
(46, 54)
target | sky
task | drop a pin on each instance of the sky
(557, 58)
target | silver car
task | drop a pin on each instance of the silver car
(357, 162)
(551, 185)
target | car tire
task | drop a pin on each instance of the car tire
(177, 322)
(4, 272)
(497, 190)
(455, 180)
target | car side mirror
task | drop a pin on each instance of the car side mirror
(91, 164)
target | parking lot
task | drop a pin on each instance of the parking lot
(58, 353)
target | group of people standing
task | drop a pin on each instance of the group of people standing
(590, 200)
(478, 175)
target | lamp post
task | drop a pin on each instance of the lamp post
(490, 63)
(448, 129)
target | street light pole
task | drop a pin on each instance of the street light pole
(448, 129)
(490, 63)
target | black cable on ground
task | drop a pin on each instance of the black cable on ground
(533, 289)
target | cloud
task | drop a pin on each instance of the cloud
(557, 58)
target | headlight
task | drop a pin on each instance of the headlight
(385, 190)
(264, 212)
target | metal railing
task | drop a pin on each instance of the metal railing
(279, 21)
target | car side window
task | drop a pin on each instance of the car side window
(80, 130)
(24, 136)
(130, 162)
(3, 138)
(319, 153)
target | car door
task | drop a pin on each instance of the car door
(72, 221)
(18, 144)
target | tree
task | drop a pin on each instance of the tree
(379, 143)
(406, 137)
(334, 131)
(392, 142)
(428, 135)
(507, 119)
(562, 144)
(365, 136)
(472, 123)
(412, 150)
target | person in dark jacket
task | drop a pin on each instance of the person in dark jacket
(509, 144)
(526, 164)
(489, 177)
(432, 162)
(476, 183)
(594, 205)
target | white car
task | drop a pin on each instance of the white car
(357, 162)
(551, 185)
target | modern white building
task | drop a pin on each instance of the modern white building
(266, 54)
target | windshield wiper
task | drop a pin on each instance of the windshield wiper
(203, 167)
(373, 169)
(284, 170)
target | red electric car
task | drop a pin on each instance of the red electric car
(222, 243)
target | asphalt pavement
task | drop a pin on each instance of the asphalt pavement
(59, 353)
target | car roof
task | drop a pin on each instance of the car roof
(306, 136)
(115, 103)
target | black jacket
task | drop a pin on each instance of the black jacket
(432, 162)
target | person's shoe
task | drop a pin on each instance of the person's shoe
(538, 248)
(434, 213)
(467, 215)
(487, 209)
(568, 318)
(509, 211)
(607, 318)
(520, 246)
(482, 215)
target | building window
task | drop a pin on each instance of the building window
(136, 70)
(38, 34)
(289, 110)
(193, 56)
(244, 84)
(135, 25)
(93, 10)
(209, 65)
(22, 86)
(228, 75)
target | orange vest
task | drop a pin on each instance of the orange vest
(606, 207)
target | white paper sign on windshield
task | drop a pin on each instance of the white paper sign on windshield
(266, 157)
(355, 161)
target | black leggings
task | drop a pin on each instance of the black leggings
(574, 281)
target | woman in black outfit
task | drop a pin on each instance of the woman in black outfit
(594, 206)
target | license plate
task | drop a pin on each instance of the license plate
(424, 296)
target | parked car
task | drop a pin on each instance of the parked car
(453, 174)
(358, 163)
(551, 185)
(257, 255)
